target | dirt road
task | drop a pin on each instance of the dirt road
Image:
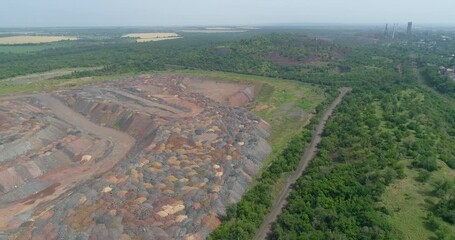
(281, 199)
(69, 178)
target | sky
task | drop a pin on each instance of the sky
(79, 13)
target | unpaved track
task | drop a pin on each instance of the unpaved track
(281, 200)
(70, 178)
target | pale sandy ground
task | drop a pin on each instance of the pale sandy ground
(211, 30)
(33, 39)
(152, 37)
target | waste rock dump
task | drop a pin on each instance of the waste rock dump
(154, 157)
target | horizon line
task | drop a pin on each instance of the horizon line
(289, 24)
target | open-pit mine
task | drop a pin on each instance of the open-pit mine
(152, 157)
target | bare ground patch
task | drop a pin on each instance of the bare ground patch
(32, 39)
(193, 155)
(153, 37)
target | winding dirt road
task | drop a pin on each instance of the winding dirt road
(281, 200)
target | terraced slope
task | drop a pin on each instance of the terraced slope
(190, 156)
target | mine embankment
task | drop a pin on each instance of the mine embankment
(194, 155)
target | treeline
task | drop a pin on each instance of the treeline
(284, 55)
(245, 217)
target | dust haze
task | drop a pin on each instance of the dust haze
(54, 13)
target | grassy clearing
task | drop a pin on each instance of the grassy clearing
(32, 39)
(405, 200)
(406, 206)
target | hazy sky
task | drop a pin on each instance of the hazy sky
(45, 13)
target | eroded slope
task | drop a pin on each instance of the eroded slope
(193, 156)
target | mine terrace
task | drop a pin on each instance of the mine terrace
(157, 157)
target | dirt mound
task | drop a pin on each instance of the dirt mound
(231, 94)
(193, 156)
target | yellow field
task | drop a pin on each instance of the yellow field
(250, 28)
(32, 39)
(219, 28)
(214, 30)
(153, 37)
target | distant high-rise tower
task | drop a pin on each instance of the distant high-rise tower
(386, 32)
(394, 30)
(409, 27)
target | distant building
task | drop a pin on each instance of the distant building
(442, 70)
(409, 31)
(449, 72)
(386, 31)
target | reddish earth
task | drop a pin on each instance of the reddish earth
(155, 157)
(231, 94)
(53, 132)
(46, 192)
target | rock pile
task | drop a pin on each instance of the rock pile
(34, 143)
(193, 157)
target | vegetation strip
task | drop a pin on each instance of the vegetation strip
(244, 218)
(310, 152)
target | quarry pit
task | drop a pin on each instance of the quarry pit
(151, 157)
